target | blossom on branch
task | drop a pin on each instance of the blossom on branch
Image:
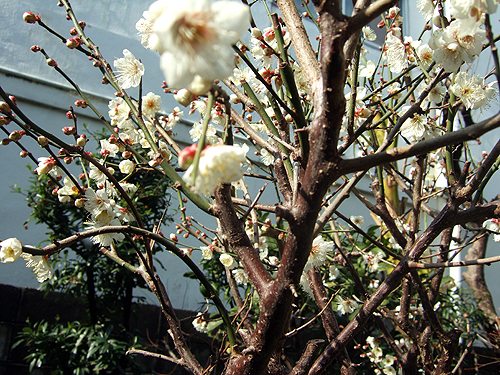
(11, 250)
(41, 267)
(194, 38)
(129, 70)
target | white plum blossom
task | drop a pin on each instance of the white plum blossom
(118, 111)
(211, 134)
(425, 55)
(207, 252)
(11, 250)
(472, 8)
(45, 165)
(200, 324)
(426, 7)
(414, 128)
(145, 30)
(69, 189)
(266, 157)
(240, 276)
(358, 220)
(334, 272)
(126, 166)
(346, 306)
(129, 70)
(151, 103)
(319, 250)
(105, 239)
(108, 148)
(227, 260)
(369, 34)
(97, 175)
(460, 42)
(194, 38)
(472, 91)
(367, 70)
(174, 117)
(492, 225)
(41, 267)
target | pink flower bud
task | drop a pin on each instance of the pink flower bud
(173, 237)
(68, 130)
(4, 121)
(29, 17)
(24, 153)
(73, 31)
(42, 141)
(82, 24)
(81, 103)
(35, 48)
(186, 156)
(71, 43)
(185, 235)
(68, 160)
(127, 154)
(13, 98)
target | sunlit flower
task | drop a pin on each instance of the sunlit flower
(41, 267)
(195, 37)
(11, 250)
(319, 250)
(227, 260)
(69, 189)
(369, 34)
(145, 30)
(174, 117)
(240, 276)
(218, 164)
(467, 88)
(413, 128)
(105, 239)
(346, 306)
(45, 165)
(207, 252)
(129, 70)
(425, 55)
(266, 157)
(211, 133)
(367, 70)
(118, 111)
(151, 103)
(126, 166)
(358, 220)
(426, 7)
(472, 8)
(108, 149)
(200, 324)
(492, 225)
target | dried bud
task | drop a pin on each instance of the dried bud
(29, 17)
(42, 141)
(5, 141)
(4, 121)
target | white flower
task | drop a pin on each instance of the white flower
(413, 128)
(218, 164)
(460, 42)
(240, 276)
(389, 370)
(174, 117)
(346, 306)
(128, 187)
(96, 174)
(466, 88)
(105, 239)
(395, 52)
(358, 220)
(211, 133)
(425, 55)
(374, 283)
(69, 189)
(472, 8)
(200, 324)
(207, 252)
(151, 104)
(368, 70)
(126, 166)
(227, 260)
(11, 250)
(369, 34)
(45, 165)
(437, 93)
(334, 272)
(129, 70)
(492, 225)
(41, 266)
(145, 28)
(266, 157)
(108, 149)
(118, 111)
(195, 37)
(319, 250)
(97, 202)
(426, 7)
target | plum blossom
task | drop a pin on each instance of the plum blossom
(105, 239)
(492, 225)
(207, 252)
(319, 250)
(45, 165)
(11, 250)
(346, 306)
(194, 38)
(266, 157)
(41, 267)
(69, 189)
(240, 276)
(472, 8)
(218, 164)
(413, 128)
(145, 30)
(200, 324)
(227, 260)
(369, 34)
(472, 90)
(151, 104)
(126, 166)
(129, 70)
(174, 118)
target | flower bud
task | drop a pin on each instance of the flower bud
(68, 130)
(82, 176)
(111, 171)
(4, 108)
(68, 160)
(35, 48)
(173, 237)
(42, 141)
(5, 141)
(71, 43)
(73, 31)
(15, 135)
(81, 141)
(70, 115)
(256, 33)
(126, 154)
(4, 121)
(82, 24)
(51, 62)
(126, 166)
(29, 17)
(80, 202)
(24, 153)
(184, 97)
(186, 156)
(13, 99)
(81, 103)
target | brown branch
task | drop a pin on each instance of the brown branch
(423, 147)
(473, 262)
(365, 16)
(155, 355)
(307, 359)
